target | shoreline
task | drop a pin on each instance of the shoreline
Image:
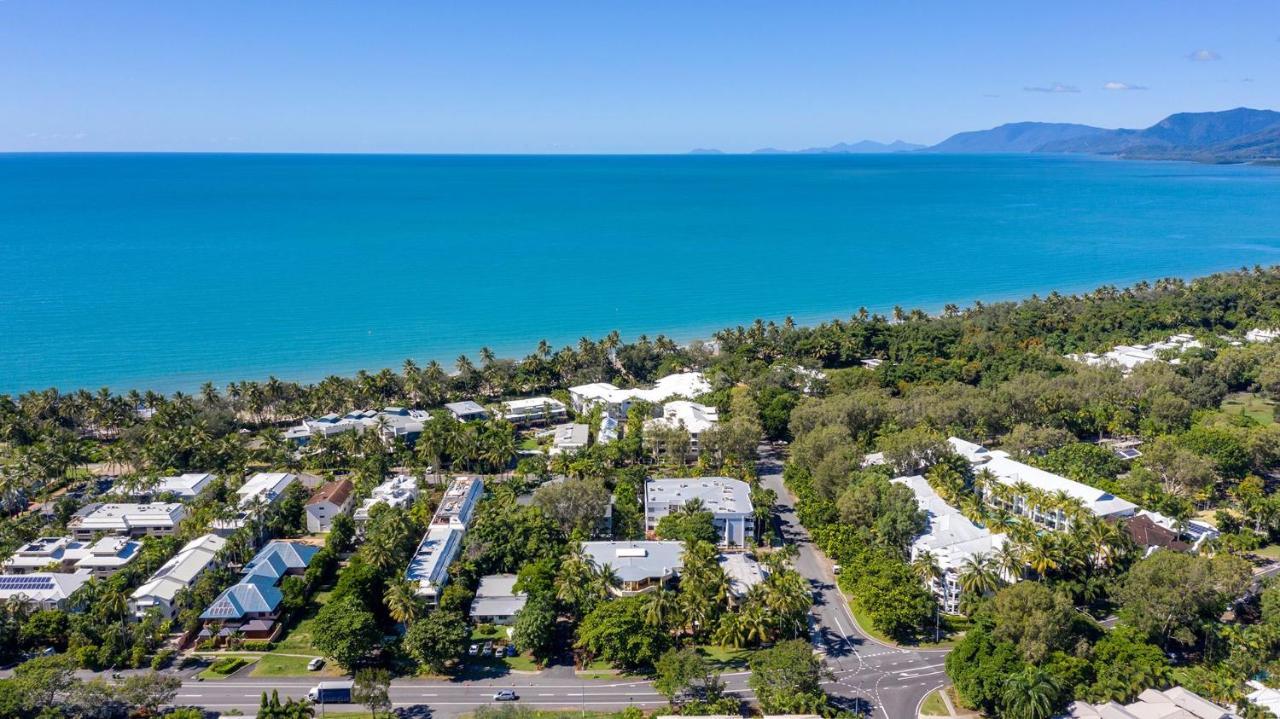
(308, 377)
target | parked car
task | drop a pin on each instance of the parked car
(473, 650)
(506, 695)
(511, 650)
(487, 651)
(315, 665)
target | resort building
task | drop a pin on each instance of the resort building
(399, 491)
(132, 520)
(570, 438)
(179, 573)
(184, 486)
(1126, 357)
(640, 566)
(44, 590)
(1262, 335)
(497, 601)
(101, 559)
(468, 411)
(429, 568)
(1175, 703)
(251, 607)
(950, 538)
(617, 402)
(1043, 497)
(329, 501)
(459, 502)
(534, 410)
(691, 417)
(390, 423)
(1151, 537)
(264, 488)
(728, 500)
(1264, 696)
(1193, 531)
(743, 571)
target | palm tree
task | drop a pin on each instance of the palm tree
(1009, 559)
(979, 574)
(925, 566)
(402, 602)
(606, 580)
(731, 631)
(1042, 553)
(1030, 694)
(659, 607)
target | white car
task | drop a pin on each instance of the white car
(315, 665)
(506, 695)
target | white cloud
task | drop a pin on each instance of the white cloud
(1122, 86)
(1204, 56)
(1055, 87)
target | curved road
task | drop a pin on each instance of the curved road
(883, 681)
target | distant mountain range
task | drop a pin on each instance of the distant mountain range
(1239, 135)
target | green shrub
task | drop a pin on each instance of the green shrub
(257, 646)
(162, 659)
(226, 665)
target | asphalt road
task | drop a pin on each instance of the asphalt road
(883, 681)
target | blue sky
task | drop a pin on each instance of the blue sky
(605, 76)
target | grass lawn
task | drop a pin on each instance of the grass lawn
(599, 669)
(276, 665)
(279, 663)
(934, 706)
(494, 632)
(1271, 551)
(1252, 405)
(723, 658)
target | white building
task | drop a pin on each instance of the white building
(1175, 703)
(467, 411)
(608, 430)
(184, 486)
(1264, 696)
(1126, 357)
(133, 520)
(390, 422)
(264, 487)
(45, 590)
(617, 402)
(102, 558)
(570, 438)
(640, 566)
(692, 417)
(327, 503)
(429, 568)
(1262, 335)
(728, 500)
(180, 572)
(399, 491)
(743, 571)
(534, 410)
(950, 538)
(497, 601)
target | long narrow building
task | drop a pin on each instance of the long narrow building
(429, 568)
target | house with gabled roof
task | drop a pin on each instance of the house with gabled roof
(251, 607)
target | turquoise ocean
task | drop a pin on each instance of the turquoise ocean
(164, 271)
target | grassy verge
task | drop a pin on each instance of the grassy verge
(224, 666)
(951, 631)
(275, 665)
(934, 706)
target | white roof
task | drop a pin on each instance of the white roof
(186, 485)
(693, 417)
(430, 563)
(1129, 356)
(571, 435)
(950, 536)
(1010, 472)
(44, 587)
(532, 403)
(975, 453)
(637, 561)
(398, 491)
(743, 571)
(181, 569)
(1175, 703)
(459, 501)
(268, 485)
(1265, 697)
(496, 597)
(1262, 335)
(121, 517)
(720, 495)
(684, 384)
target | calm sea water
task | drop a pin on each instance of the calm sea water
(157, 271)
